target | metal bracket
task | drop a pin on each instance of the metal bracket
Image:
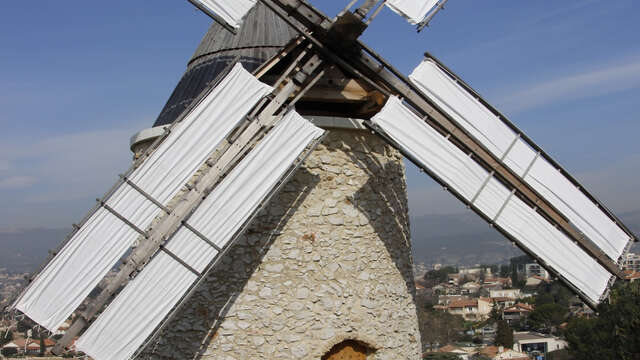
(427, 20)
(144, 193)
(122, 218)
(178, 259)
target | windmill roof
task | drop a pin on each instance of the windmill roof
(260, 37)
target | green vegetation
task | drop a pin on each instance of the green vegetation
(614, 334)
(551, 307)
(435, 277)
(514, 263)
(504, 335)
(548, 315)
(505, 271)
(440, 327)
(9, 352)
(553, 293)
(441, 356)
(5, 337)
(559, 355)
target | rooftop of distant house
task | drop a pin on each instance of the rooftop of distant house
(463, 303)
(519, 307)
(528, 335)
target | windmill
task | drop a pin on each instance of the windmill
(324, 267)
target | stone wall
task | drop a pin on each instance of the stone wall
(328, 260)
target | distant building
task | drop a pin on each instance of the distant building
(448, 299)
(470, 287)
(502, 282)
(503, 302)
(536, 280)
(510, 354)
(505, 293)
(445, 289)
(454, 279)
(516, 312)
(470, 271)
(631, 275)
(471, 310)
(534, 343)
(631, 262)
(534, 269)
(500, 353)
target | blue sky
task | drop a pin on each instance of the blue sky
(78, 78)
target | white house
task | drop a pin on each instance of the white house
(471, 287)
(505, 293)
(528, 342)
(472, 310)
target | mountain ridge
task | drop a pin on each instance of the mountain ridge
(463, 239)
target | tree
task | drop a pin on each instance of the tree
(505, 271)
(504, 335)
(440, 327)
(515, 280)
(434, 277)
(441, 356)
(24, 326)
(553, 293)
(548, 315)
(43, 347)
(496, 312)
(5, 337)
(9, 351)
(613, 335)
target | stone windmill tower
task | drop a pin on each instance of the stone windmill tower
(326, 268)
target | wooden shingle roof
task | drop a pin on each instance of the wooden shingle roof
(260, 37)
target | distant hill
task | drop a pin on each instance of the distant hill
(25, 250)
(466, 239)
(632, 219)
(448, 239)
(463, 239)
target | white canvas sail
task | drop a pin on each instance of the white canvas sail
(123, 327)
(501, 140)
(415, 11)
(464, 176)
(93, 250)
(231, 11)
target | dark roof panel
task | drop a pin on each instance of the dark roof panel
(259, 38)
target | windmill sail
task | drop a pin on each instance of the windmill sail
(99, 243)
(146, 301)
(478, 188)
(536, 168)
(415, 11)
(232, 12)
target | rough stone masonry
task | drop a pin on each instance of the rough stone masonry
(328, 260)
